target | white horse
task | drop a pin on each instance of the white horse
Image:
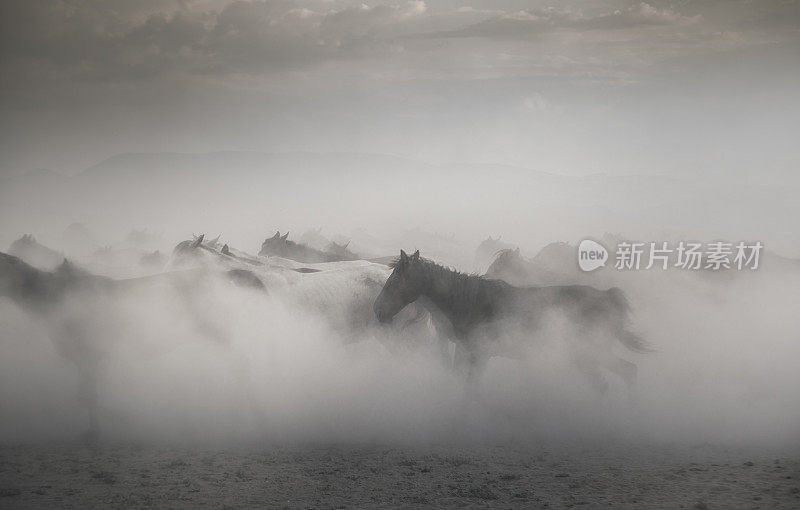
(340, 294)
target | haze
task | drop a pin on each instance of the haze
(403, 125)
(570, 87)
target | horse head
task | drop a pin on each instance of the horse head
(404, 286)
(340, 250)
(275, 245)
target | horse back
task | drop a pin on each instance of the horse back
(581, 303)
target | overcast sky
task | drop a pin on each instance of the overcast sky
(573, 87)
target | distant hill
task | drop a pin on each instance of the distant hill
(252, 194)
(229, 163)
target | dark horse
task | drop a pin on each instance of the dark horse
(482, 311)
(280, 246)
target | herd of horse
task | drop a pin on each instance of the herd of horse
(401, 301)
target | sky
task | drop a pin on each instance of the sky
(573, 87)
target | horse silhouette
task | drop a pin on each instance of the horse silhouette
(34, 253)
(487, 250)
(197, 253)
(280, 246)
(341, 251)
(509, 265)
(482, 311)
(84, 314)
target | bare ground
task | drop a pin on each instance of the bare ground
(344, 476)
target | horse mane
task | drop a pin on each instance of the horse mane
(505, 253)
(302, 252)
(467, 290)
(303, 247)
(433, 266)
(504, 257)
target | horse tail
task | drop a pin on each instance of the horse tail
(633, 342)
(619, 301)
(629, 339)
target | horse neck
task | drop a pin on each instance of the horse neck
(442, 287)
(305, 250)
(41, 291)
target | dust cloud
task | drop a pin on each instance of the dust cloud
(223, 364)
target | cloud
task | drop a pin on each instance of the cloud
(528, 23)
(90, 40)
(118, 40)
(83, 79)
(642, 14)
(243, 36)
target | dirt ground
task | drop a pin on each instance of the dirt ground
(344, 476)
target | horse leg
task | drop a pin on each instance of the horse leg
(461, 361)
(476, 367)
(624, 369)
(589, 368)
(469, 364)
(443, 352)
(444, 334)
(240, 369)
(74, 344)
(88, 397)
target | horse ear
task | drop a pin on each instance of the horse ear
(285, 236)
(403, 256)
(416, 255)
(198, 240)
(277, 234)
